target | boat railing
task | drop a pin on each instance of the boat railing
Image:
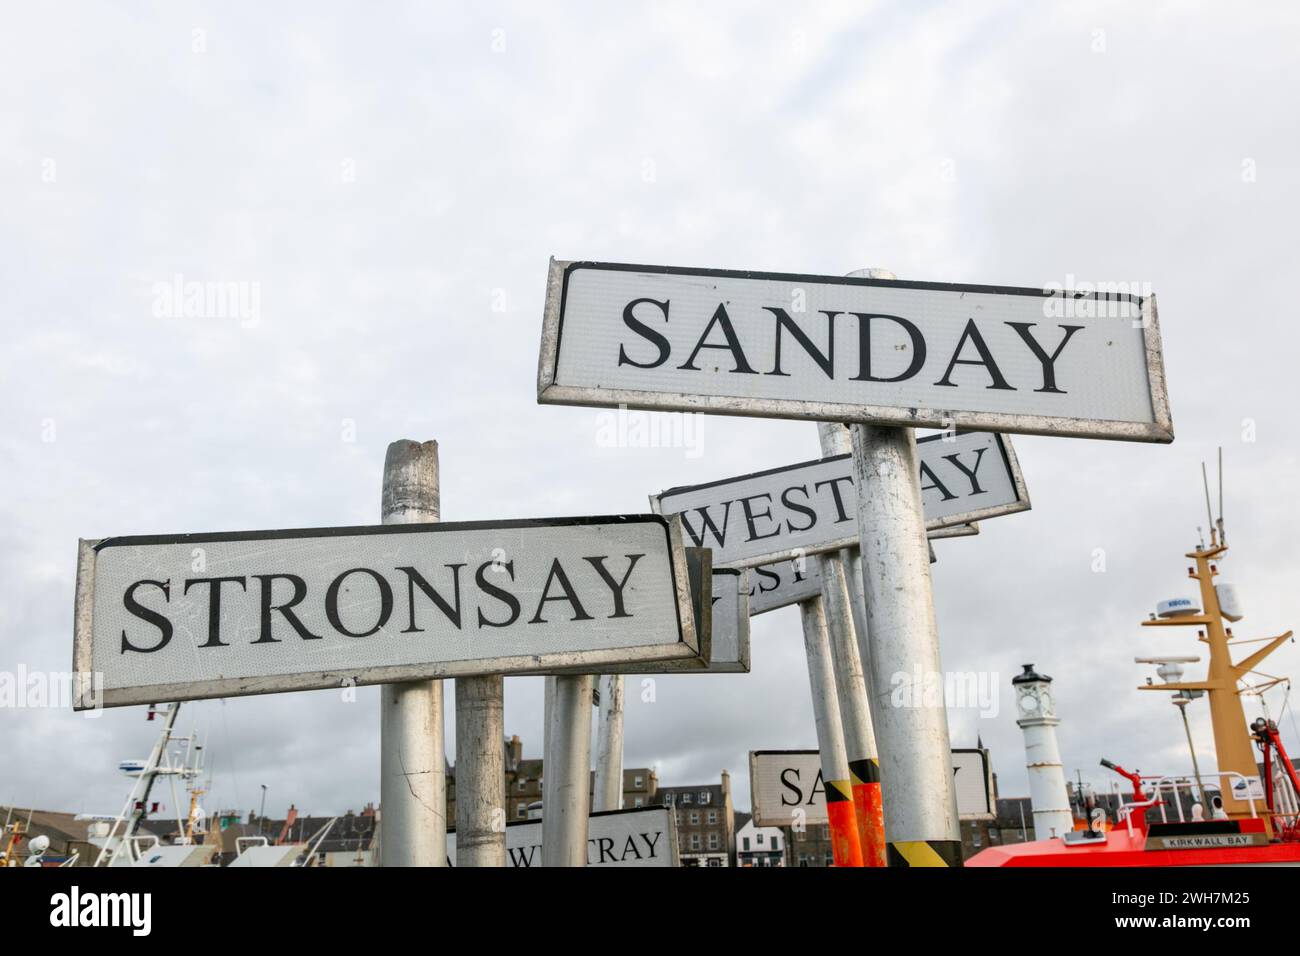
(142, 843)
(244, 842)
(1286, 808)
(1159, 786)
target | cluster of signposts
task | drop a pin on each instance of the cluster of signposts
(412, 601)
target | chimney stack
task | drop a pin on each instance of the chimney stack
(290, 819)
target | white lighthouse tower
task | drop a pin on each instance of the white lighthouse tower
(1038, 720)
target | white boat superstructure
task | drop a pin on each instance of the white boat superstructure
(178, 761)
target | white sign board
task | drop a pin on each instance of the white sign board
(786, 787)
(828, 348)
(812, 506)
(729, 633)
(793, 580)
(641, 837)
(784, 583)
(973, 778)
(955, 531)
(219, 615)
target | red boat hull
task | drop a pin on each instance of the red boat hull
(1124, 849)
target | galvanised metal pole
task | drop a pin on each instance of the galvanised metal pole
(567, 769)
(846, 846)
(911, 726)
(850, 685)
(480, 771)
(853, 574)
(548, 702)
(609, 744)
(852, 558)
(412, 768)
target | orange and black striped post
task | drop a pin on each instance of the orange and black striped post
(846, 846)
(869, 809)
(855, 712)
(842, 622)
(846, 841)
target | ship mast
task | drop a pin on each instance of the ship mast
(1232, 740)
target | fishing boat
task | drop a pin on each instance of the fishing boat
(1253, 818)
(179, 762)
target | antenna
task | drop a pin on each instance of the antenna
(1209, 512)
(1223, 537)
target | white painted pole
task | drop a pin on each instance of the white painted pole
(480, 771)
(853, 575)
(566, 803)
(548, 703)
(850, 683)
(412, 767)
(609, 744)
(846, 846)
(911, 726)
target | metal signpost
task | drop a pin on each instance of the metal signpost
(567, 762)
(609, 743)
(885, 355)
(850, 686)
(412, 743)
(642, 837)
(811, 507)
(788, 786)
(846, 839)
(480, 771)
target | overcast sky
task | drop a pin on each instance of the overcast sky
(389, 182)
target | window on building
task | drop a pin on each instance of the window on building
(521, 811)
(695, 817)
(704, 796)
(713, 840)
(713, 816)
(638, 782)
(638, 802)
(715, 862)
(695, 841)
(686, 798)
(760, 840)
(523, 784)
